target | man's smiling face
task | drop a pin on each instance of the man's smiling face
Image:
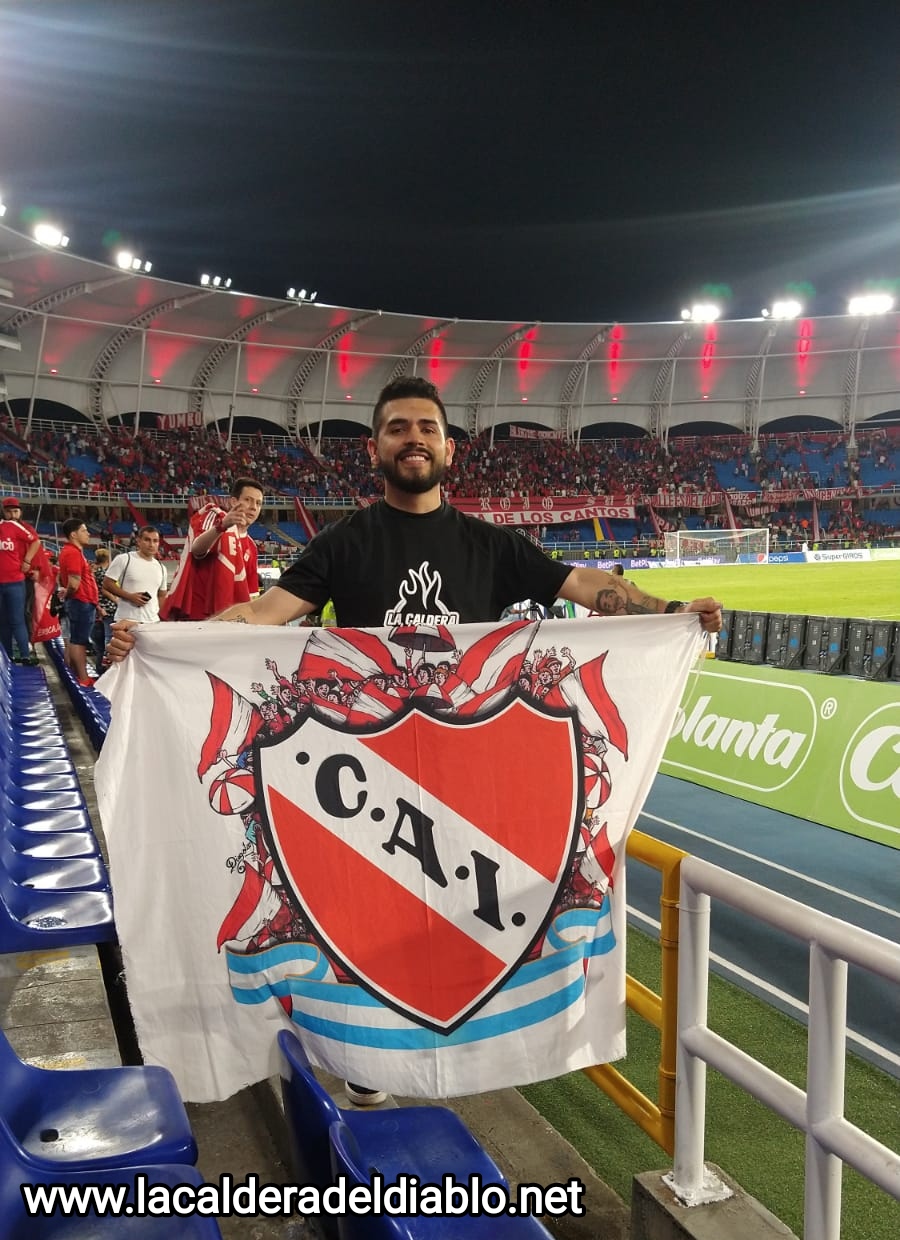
(411, 446)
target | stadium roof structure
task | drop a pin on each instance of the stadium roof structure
(108, 342)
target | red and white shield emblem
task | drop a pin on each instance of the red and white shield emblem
(427, 855)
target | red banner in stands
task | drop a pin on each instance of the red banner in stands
(686, 499)
(523, 432)
(543, 510)
(173, 421)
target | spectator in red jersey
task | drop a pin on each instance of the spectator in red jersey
(19, 544)
(218, 563)
(81, 596)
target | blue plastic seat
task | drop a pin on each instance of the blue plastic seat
(52, 873)
(17, 783)
(17, 1225)
(45, 819)
(84, 1117)
(44, 802)
(34, 920)
(50, 845)
(357, 1167)
(25, 748)
(31, 766)
(427, 1141)
(25, 738)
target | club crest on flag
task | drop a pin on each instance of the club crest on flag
(417, 885)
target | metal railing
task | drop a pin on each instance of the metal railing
(657, 1119)
(819, 1110)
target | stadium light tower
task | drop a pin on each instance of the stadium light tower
(701, 312)
(51, 236)
(301, 295)
(787, 308)
(129, 262)
(870, 303)
(215, 281)
(2, 208)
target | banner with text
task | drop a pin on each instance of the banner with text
(543, 510)
(820, 747)
(408, 842)
(175, 421)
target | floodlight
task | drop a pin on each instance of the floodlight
(228, 282)
(204, 279)
(124, 259)
(2, 208)
(49, 235)
(702, 312)
(786, 309)
(313, 296)
(216, 280)
(292, 292)
(870, 303)
(148, 267)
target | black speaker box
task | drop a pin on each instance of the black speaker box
(894, 673)
(815, 643)
(776, 639)
(756, 647)
(859, 647)
(881, 650)
(723, 639)
(834, 645)
(740, 639)
(795, 647)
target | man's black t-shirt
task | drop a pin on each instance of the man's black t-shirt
(382, 567)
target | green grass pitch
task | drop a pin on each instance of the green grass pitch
(859, 589)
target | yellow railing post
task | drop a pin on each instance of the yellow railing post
(657, 1119)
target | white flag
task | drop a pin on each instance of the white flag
(408, 843)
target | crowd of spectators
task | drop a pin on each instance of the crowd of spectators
(191, 461)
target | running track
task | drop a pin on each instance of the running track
(850, 878)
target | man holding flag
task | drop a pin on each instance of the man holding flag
(412, 559)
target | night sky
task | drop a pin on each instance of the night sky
(567, 161)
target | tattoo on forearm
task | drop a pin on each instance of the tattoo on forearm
(615, 600)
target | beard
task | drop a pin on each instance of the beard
(413, 483)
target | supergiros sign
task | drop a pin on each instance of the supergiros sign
(819, 747)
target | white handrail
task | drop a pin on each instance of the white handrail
(819, 1110)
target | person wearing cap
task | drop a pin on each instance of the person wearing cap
(19, 544)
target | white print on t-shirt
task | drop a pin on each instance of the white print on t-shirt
(420, 600)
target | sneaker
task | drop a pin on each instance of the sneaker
(88, 683)
(362, 1097)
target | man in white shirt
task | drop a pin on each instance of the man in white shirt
(138, 580)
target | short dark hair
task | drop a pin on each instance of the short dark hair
(239, 483)
(403, 388)
(73, 524)
(147, 529)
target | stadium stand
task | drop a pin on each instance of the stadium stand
(176, 464)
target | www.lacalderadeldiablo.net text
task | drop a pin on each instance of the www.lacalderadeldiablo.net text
(139, 1197)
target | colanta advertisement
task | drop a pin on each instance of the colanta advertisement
(823, 748)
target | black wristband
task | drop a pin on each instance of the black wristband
(673, 606)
